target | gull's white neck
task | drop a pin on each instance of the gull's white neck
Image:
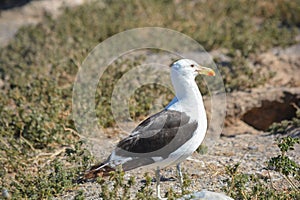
(188, 96)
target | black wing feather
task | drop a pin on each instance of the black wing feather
(159, 130)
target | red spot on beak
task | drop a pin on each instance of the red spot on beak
(212, 73)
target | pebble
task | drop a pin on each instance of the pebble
(5, 193)
(206, 195)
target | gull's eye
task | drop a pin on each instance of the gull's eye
(192, 65)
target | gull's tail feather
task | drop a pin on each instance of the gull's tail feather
(95, 171)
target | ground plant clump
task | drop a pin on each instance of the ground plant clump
(241, 185)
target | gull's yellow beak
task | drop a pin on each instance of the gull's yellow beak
(205, 71)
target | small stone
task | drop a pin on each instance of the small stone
(252, 147)
(5, 193)
(206, 195)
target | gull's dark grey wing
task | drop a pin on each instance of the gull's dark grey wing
(159, 130)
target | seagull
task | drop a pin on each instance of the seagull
(167, 137)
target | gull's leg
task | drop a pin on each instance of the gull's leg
(180, 176)
(157, 176)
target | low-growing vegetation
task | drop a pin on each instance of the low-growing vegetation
(118, 187)
(241, 185)
(41, 153)
(286, 126)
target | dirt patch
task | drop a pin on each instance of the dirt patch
(269, 112)
(284, 63)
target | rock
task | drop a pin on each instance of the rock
(206, 195)
(5, 194)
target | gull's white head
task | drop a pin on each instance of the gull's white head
(190, 68)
